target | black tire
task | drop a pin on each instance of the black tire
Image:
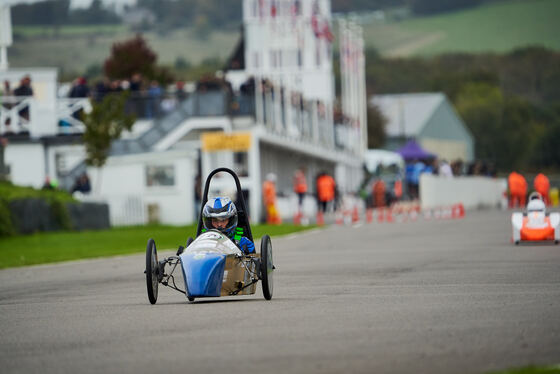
(267, 267)
(152, 270)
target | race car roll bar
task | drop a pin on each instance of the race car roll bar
(243, 220)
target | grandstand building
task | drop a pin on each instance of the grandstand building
(275, 111)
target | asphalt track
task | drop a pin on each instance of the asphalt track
(450, 296)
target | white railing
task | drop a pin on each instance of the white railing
(15, 114)
(68, 114)
(19, 114)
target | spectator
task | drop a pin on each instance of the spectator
(517, 190)
(457, 167)
(24, 89)
(269, 198)
(48, 185)
(445, 169)
(180, 91)
(7, 102)
(82, 184)
(154, 97)
(378, 193)
(326, 191)
(101, 89)
(397, 190)
(413, 172)
(79, 88)
(300, 187)
(542, 186)
(136, 85)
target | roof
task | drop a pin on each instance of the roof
(409, 112)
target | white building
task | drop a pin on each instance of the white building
(284, 122)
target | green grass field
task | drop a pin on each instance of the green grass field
(495, 27)
(44, 248)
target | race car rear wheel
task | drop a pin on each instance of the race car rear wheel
(152, 270)
(267, 267)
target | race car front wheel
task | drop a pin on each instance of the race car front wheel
(152, 269)
(267, 267)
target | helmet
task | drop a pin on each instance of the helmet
(220, 213)
(536, 205)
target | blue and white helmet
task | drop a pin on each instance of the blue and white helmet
(221, 208)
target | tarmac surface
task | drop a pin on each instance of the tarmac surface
(446, 296)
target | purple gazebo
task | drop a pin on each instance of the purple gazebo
(412, 150)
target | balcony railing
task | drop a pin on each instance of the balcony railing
(288, 116)
(15, 114)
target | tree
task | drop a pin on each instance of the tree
(504, 128)
(135, 56)
(104, 123)
(130, 57)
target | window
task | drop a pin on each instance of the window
(161, 175)
(241, 164)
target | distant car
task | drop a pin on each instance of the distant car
(536, 225)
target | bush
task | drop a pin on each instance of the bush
(20, 198)
(6, 226)
(60, 214)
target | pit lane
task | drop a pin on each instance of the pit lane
(449, 296)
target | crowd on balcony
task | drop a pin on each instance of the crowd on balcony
(15, 99)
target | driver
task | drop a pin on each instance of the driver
(220, 214)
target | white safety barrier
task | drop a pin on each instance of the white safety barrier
(471, 191)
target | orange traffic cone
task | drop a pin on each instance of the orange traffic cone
(388, 214)
(355, 215)
(297, 219)
(369, 215)
(320, 218)
(339, 217)
(380, 216)
(461, 210)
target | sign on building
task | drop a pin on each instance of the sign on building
(220, 141)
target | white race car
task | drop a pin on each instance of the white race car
(536, 225)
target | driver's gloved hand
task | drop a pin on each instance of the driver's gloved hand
(246, 245)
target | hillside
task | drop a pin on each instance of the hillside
(494, 27)
(78, 47)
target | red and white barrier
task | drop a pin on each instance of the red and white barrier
(397, 213)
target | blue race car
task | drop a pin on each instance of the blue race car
(212, 264)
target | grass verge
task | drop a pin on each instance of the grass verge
(44, 248)
(531, 370)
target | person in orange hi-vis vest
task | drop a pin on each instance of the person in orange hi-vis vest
(269, 196)
(517, 190)
(397, 190)
(326, 189)
(542, 186)
(300, 187)
(379, 193)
